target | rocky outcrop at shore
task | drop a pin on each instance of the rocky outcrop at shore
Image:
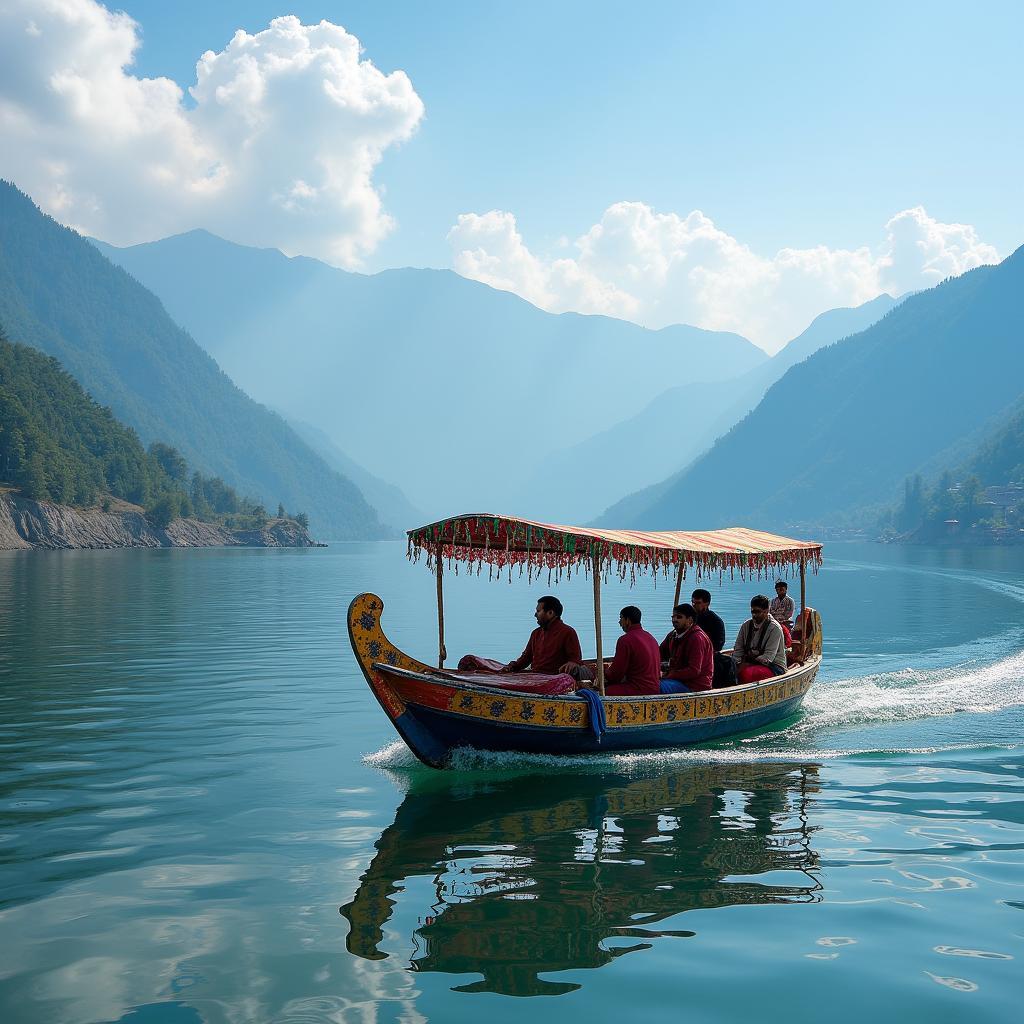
(40, 524)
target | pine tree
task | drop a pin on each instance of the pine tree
(33, 481)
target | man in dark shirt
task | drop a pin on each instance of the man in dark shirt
(636, 668)
(553, 646)
(708, 620)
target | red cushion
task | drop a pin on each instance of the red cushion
(522, 682)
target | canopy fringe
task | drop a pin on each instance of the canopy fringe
(504, 543)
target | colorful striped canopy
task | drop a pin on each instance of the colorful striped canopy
(502, 541)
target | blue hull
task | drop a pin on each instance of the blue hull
(433, 735)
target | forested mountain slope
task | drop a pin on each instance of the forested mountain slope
(447, 387)
(57, 444)
(842, 429)
(60, 295)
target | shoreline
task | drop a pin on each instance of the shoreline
(42, 525)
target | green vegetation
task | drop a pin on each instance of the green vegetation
(57, 444)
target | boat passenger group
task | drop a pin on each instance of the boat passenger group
(688, 660)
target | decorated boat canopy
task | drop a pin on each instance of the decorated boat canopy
(503, 542)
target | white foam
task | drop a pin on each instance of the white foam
(396, 761)
(913, 694)
(394, 755)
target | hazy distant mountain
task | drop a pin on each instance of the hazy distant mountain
(392, 506)
(447, 387)
(60, 295)
(842, 429)
(678, 425)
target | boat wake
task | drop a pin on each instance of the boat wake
(914, 694)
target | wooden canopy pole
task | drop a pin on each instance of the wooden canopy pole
(679, 586)
(597, 622)
(803, 587)
(441, 652)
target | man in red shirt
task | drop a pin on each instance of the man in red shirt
(636, 668)
(689, 653)
(553, 646)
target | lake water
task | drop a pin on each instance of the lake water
(204, 815)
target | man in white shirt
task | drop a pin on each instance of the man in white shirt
(782, 607)
(760, 650)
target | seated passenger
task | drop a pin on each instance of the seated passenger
(712, 624)
(760, 650)
(708, 620)
(690, 656)
(636, 668)
(553, 646)
(782, 606)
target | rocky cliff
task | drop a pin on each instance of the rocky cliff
(40, 524)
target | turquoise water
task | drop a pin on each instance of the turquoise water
(204, 815)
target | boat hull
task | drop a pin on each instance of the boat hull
(436, 714)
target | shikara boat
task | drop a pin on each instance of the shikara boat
(437, 710)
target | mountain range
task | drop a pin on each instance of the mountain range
(840, 431)
(443, 385)
(471, 396)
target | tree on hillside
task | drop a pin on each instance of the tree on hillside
(171, 461)
(34, 481)
(197, 492)
(163, 511)
(912, 514)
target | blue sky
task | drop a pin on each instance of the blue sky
(578, 138)
(789, 124)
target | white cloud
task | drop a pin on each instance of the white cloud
(660, 268)
(489, 248)
(920, 252)
(278, 147)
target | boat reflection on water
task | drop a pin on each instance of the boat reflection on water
(537, 875)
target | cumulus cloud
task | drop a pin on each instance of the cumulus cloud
(489, 248)
(277, 144)
(661, 268)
